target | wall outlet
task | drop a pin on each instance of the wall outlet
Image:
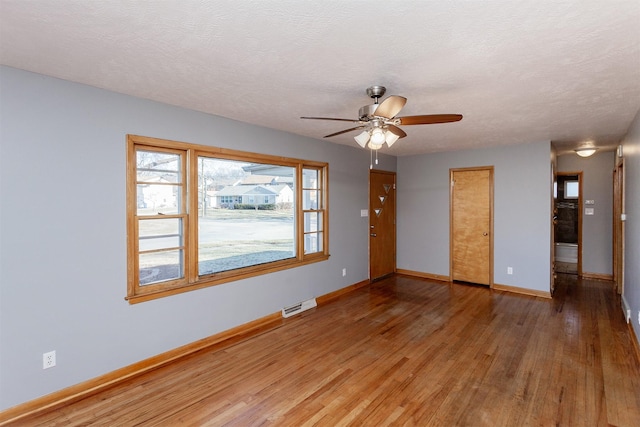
(628, 315)
(509, 270)
(344, 272)
(49, 360)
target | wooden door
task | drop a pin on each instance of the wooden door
(618, 227)
(382, 224)
(471, 225)
(554, 221)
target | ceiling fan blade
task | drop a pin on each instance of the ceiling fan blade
(390, 106)
(396, 130)
(430, 119)
(343, 131)
(331, 118)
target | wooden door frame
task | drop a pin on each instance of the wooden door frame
(580, 207)
(395, 209)
(451, 231)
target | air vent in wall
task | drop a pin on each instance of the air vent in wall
(299, 308)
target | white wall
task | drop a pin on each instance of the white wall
(597, 229)
(522, 211)
(631, 294)
(63, 233)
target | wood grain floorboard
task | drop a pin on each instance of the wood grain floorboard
(403, 351)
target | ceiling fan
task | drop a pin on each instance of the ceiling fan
(379, 121)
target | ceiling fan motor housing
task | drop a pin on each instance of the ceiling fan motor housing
(367, 112)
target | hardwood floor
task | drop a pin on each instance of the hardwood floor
(403, 351)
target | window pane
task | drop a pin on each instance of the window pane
(246, 214)
(309, 178)
(309, 199)
(312, 221)
(156, 166)
(160, 234)
(161, 266)
(571, 189)
(155, 198)
(312, 243)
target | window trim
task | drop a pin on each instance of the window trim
(191, 281)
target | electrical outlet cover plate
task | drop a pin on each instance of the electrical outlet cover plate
(49, 360)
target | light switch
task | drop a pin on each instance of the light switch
(589, 202)
(589, 211)
(364, 212)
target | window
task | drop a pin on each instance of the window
(571, 189)
(196, 220)
(312, 210)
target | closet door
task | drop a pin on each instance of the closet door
(471, 222)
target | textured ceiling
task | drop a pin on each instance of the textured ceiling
(519, 71)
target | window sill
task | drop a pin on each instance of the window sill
(225, 277)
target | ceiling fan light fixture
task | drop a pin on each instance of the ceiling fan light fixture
(362, 138)
(374, 146)
(585, 152)
(391, 138)
(377, 137)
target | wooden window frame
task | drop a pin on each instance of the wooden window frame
(191, 281)
(320, 207)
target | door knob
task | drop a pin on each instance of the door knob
(485, 234)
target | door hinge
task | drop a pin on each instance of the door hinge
(394, 185)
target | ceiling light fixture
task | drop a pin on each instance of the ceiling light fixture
(585, 152)
(377, 138)
(374, 138)
(362, 138)
(391, 138)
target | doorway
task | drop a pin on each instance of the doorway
(568, 223)
(471, 230)
(382, 224)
